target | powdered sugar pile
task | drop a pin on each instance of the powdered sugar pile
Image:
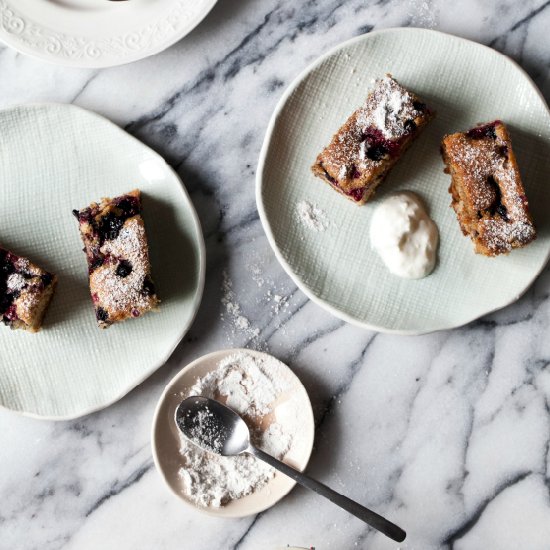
(312, 217)
(250, 385)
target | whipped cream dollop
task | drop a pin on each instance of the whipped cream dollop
(405, 236)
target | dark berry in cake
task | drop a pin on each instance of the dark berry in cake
(483, 131)
(124, 268)
(148, 287)
(101, 314)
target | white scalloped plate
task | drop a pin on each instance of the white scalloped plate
(466, 83)
(165, 436)
(97, 33)
(54, 158)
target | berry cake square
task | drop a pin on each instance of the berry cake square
(116, 248)
(372, 140)
(25, 292)
(486, 188)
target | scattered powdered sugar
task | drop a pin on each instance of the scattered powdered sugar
(423, 13)
(253, 387)
(312, 217)
(206, 431)
(276, 296)
(387, 109)
(233, 310)
(16, 282)
(363, 150)
(273, 299)
(278, 301)
(500, 234)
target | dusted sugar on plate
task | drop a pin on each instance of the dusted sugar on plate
(486, 188)
(372, 140)
(257, 389)
(25, 292)
(116, 248)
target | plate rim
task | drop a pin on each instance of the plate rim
(220, 354)
(197, 299)
(47, 56)
(261, 167)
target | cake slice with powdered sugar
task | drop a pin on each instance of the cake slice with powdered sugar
(372, 140)
(25, 292)
(486, 188)
(116, 248)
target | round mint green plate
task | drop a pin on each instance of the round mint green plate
(466, 83)
(54, 158)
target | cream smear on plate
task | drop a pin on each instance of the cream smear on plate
(405, 236)
(256, 388)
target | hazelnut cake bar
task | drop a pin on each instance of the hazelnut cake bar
(486, 188)
(25, 292)
(116, 248)
(371, 141)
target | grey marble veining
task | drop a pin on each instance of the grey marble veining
(448, 434)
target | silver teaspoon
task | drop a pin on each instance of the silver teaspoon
(217, 428)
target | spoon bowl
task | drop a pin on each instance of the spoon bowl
(212, 426)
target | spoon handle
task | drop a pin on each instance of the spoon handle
(368, 516)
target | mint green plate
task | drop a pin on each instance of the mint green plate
(54, 158)
(466, 83)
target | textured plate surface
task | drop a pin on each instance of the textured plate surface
(54, 158)
(97, 33)
(466, 83)
(166, 437)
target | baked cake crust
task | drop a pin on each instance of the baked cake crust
(486, 188)
(25, 292)
(116, 248)
(371, 141)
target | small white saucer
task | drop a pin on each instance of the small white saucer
(165, 438)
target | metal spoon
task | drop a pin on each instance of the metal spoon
(217, 428)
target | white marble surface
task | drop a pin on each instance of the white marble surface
(447, 434)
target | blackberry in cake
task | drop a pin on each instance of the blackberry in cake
(486, 188)
(25, 292)
(116, 248)
(372, 140)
